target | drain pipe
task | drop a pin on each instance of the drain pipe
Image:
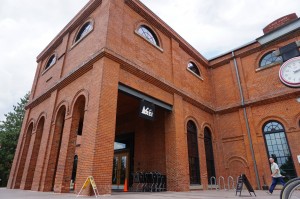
(246, 118)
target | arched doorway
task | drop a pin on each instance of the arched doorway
(55, 149)
(209, 153)
(74, 144)
(278, 148)
(35, 153)
(192, 140)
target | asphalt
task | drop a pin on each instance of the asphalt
(207, 194)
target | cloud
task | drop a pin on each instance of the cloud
(26, 29)
(211, 27)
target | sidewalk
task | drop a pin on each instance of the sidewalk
(208, 194)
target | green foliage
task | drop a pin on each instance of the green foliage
(9, 134)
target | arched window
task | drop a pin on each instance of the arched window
(148, 34)
(269, 58)
(85, 29)
(193, 68)
(51, 61)
(209, 153)
(278, 148)
(192, 140)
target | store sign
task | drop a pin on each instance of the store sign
(280, 22)
(147, 110)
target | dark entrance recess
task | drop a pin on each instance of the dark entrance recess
(209, 153)
(73, 178)
(124, 144)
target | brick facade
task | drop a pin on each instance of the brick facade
(83, 85)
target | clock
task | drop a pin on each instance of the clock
(289, 72)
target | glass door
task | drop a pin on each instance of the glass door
(120, 173)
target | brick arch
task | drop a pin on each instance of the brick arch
(42, 115)
(31, 121)
(261, 54)
(198, 65)
(58, 107)
(268, 118)
(80, 27)
(297, 121)
(240, 159)
(206, 124)
(144, 22)
(23, 154)
(236, 165)
(188, 118)
(82, 92)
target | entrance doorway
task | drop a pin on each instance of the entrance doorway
(120, 173)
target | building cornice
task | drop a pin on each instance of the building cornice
(125, 65)
(157, 81)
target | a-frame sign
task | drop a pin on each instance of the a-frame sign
(244, 180)
(89, 180)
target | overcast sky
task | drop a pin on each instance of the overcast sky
(210, 26)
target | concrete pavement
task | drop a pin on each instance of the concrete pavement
(208, 194)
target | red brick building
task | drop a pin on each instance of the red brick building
(117, 92)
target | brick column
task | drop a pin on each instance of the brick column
(105, 135)
(17, 157)
(27, 163)
(176, 149)
(63, 185)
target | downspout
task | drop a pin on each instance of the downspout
(246, 118)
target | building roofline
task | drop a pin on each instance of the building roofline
(156, 21)
(75, 21)
(232, 50)
(266, 38)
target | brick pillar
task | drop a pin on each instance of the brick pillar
(105, 135)
(21, 165)
(18, 152)
(176, 148)
(63, 185)
(28, 159)
(42, 159)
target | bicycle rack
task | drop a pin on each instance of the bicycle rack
(224, 186)
(230, 178)
(211, 182)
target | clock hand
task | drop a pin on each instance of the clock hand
(296, 71)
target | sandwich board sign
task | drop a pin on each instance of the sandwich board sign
(89, 180)
(244, 180)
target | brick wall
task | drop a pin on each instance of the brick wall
(85, 79)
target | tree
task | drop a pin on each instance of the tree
(9, 134)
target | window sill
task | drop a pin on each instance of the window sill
(268, 66)
(199, 77)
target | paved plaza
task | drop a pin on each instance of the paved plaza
(208, 194)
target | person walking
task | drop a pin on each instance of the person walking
(276, 176)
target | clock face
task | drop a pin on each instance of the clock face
(289, 72)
